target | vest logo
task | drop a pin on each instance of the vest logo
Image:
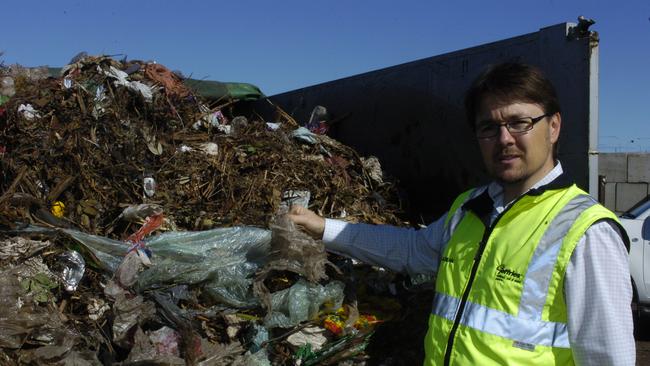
(524, 346)
(504, 273)
(447, 259)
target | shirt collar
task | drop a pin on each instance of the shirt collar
(488, 199)
(495, 190)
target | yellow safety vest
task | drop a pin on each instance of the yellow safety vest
(499, 296)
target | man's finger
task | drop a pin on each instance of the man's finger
(297, 210)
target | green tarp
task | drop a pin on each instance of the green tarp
(220, 90)
(210, 89)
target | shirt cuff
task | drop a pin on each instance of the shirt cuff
(333, 229)
(335, 236)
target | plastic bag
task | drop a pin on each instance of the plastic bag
(222, 260)
(291, 250)
(121, 78)
(127, 273)
(304, 135)
(301, 302)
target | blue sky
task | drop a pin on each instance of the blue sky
(284, 45)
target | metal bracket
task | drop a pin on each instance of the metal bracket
(581, 30)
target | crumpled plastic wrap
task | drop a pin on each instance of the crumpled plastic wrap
(301, 302)
(73, 269)
(291, 250)
(138, 213)
(134, 262)
(157, 347)
(222, 260)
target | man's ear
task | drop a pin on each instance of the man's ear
(554, 125)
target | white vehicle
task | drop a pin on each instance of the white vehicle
(636, 222)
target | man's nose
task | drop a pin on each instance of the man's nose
(504, 136)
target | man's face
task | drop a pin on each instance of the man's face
(518, 160)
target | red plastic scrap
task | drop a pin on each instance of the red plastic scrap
(320, 128)
(151, 223)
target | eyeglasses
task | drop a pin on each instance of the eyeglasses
(489, 129)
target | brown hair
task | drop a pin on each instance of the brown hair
(511, 82)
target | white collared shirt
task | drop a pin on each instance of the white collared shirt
(597, 286)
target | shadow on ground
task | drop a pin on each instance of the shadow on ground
(642, 337)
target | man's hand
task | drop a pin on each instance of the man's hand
(309, 221)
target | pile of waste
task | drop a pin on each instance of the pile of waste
(142, 223)
(109, 135)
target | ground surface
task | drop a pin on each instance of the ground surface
(642, 336)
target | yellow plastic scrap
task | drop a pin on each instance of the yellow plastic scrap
(336, 322)
(366, 321)
(58, 209)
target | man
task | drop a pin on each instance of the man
(529, 268)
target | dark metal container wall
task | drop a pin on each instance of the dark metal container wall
(411, 115)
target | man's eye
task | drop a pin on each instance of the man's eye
(519, 125)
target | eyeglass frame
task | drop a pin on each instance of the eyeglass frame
(533, 121)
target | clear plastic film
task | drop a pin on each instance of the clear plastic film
(302, 302)
(221, 260)
(73, 269)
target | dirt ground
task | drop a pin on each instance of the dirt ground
(643, 352)
(642, 336)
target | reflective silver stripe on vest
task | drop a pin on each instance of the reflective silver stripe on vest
(543, 261)
(484, 319)
(445, 306)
